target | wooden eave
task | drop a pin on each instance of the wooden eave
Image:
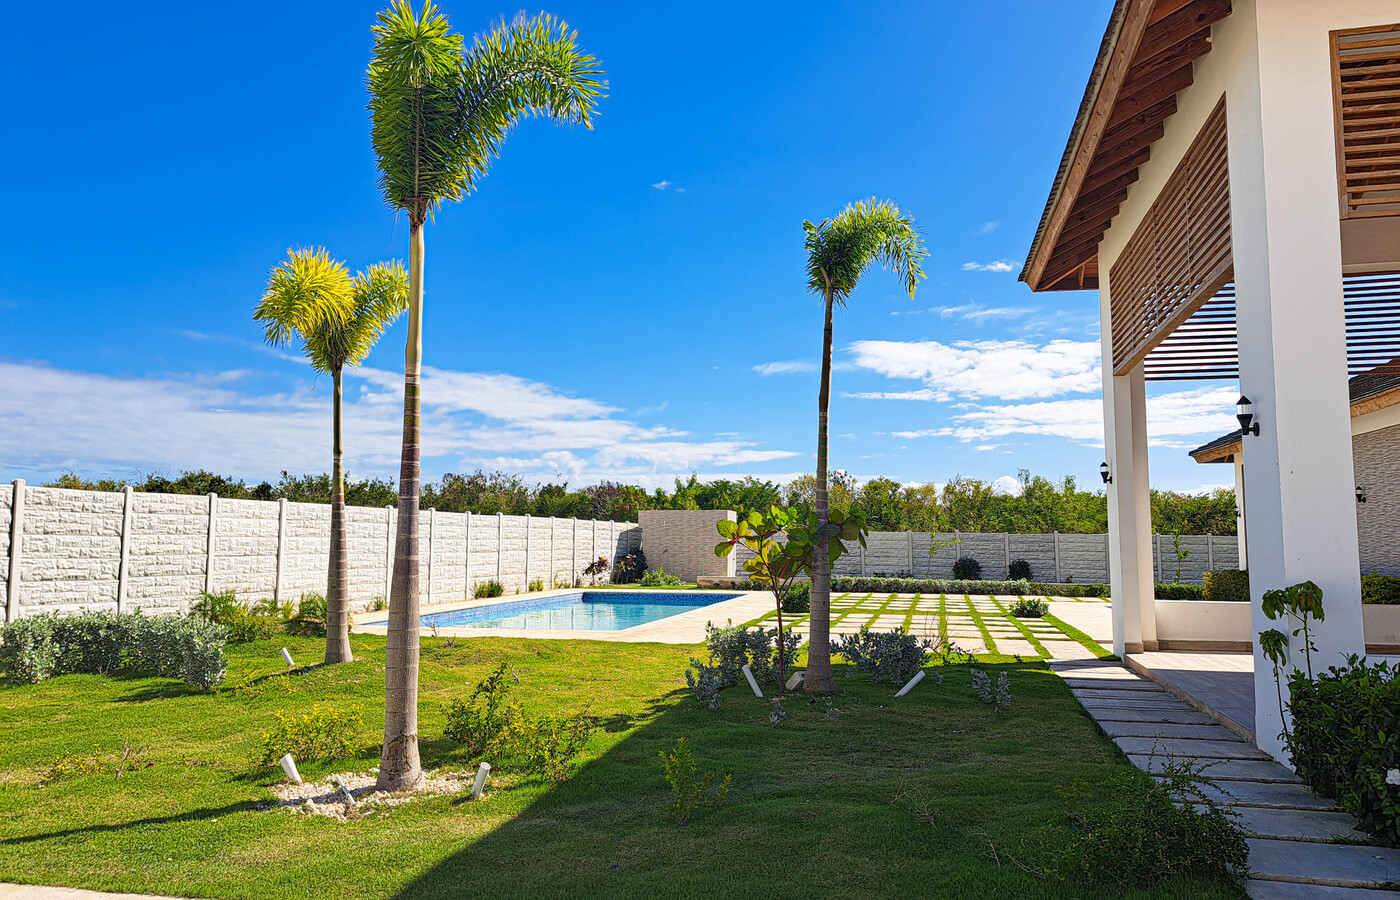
(1146, 58)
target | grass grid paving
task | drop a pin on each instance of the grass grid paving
(988, 642)
(1029, 635)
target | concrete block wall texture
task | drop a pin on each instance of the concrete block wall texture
(1081, 558)
(174, 546)
(1376, 458)
(683, 541)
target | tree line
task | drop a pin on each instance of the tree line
(963, 504)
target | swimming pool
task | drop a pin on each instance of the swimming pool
(579, 611)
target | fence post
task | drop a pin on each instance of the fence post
(16, 550)
(1059, 579)
(862, 559)
(1157, 554)
(1006, 552)
(467, 574)
(209, 544)
(911, 553)
(388, 549)
(573, 555)
(552, 561)
(126, 547)
(1210, 554)
(527, 551)
(432, 518)
(500, 536)
(281, 548)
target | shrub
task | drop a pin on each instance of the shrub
(1030, 608)
(1177, 591)
(546, 745)
(598, 567)
(312, 606)
(324, 733)
(798, 598)
(998, 698)
(659, 577)
(936, 586)
(104, 643)
(480, 721)
(1149, 831)
(535, 586)
(1382, 589)
(630, 567)
(243, 624)
(492, 588)
(74, 764)
(965, 568)
(1346, 737)
(1019, 570)
(691, 792)
(705, 683)
(894, 656)
(1231, 586)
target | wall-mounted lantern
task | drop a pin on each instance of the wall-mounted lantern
(1244, 411)
(1104, 473)
(1360, 494)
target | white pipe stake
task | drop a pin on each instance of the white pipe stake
(753, 683)
(288, 657)
(481, 773)
(796, 679)
(344, 789)
(918, 677)
(289, 766)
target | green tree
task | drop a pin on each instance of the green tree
(839, 251)
(337, 318)
(438, 116)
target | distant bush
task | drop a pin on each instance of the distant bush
(492, 588)
(1174, 591)
(1030, 608)
(629, 567)
(243, 624)
(965, 568)
(535, 586)
(659, 577)
(894, 656)
(103, 643)
(312, 606)
(1230, 586)
(798, 598)
(936, 586)
(1019, 570)
(479, 722)
(1381, 589)
(324, 733)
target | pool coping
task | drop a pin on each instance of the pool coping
(682, 628)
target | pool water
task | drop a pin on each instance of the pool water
(582, 611)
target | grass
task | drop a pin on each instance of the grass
(859, 795)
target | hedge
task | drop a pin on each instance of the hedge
(104, 643)
(1380, 589)
(1227, 586)
(882, 585)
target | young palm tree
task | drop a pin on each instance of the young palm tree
(337, 318)
(438, 115)
(839, 251)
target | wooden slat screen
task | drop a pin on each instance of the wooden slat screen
(1366, 100)
(1180, 255)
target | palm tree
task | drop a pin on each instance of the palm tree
(839, 251)
(337, 318)
(438, 115)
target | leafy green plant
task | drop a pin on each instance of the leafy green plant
(312, 606)
(244, 624)
(894, 656)
(1177, 591)
(324, 733)
(705, 682)
(73, 765)
(1301, 603)
(1380, 589)
(1181, 554)
(1149, 831)
(377, 604)
(1030, 608)
(536, 585)
(967, 569)
(35, 648)
(547, 744)
(936, 586)
(659, 577)
(485, 589)
(1229, 586)
(272, 609)
(998, 697)
(596, 569)
(480, 721)
(691, 790)
(630, 567)
(251, 687)
(798, 598)
(1019, 570)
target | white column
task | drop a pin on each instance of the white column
(1130, 556)
(125, 549)
(1239, 510)
(209, 543)
(16, 550)
(281, 547)
(1286, 233)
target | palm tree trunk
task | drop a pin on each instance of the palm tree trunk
(399, 765)
(338, 577)
(818, 679)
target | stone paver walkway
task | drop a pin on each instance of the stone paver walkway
(38, 892)
(1300, 845)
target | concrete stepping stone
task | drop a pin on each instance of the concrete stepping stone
(1257, 889)
(1298, 824)
(1115, 684)
(1106, 694)
(1163, 713)
(1341, 865)
(1223, 769)
(1144, 701)
(1241, 794)
(1190, 747)
(1169, 730)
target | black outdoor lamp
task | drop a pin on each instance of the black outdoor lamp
(1360, 494)
(1103, 473)
(1244, 411)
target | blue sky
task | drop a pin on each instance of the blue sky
(624, 303)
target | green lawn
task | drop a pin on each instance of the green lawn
(926, 796)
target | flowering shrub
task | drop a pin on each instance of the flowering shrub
(965, 567)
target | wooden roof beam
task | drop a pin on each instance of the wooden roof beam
(1183, 23)
(1149, 95)
(1168, 60)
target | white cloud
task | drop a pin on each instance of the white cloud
(1007, 485)
(662, 185)
(975, 312)
(790, 367)
(1000, 265)
(987, 228)
(1009, 370)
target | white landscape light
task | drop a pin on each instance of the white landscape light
(344, 789)
(288, 657)
(795, 680)
(918, 677)
(753, 683)
(289, 766)
(481, 772)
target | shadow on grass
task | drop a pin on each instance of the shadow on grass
(193, 815)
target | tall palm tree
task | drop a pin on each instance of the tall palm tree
(438, 115)
(337, 318)
(839, 251)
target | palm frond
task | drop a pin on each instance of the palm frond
(307, 291)
(842, 248)
(381, 296)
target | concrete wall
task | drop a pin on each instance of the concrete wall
(1078, 558)
(129, 550)
(683, 541)
(1197, 625)
(1376, 458)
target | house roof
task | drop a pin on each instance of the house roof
(1145, 58)
(1370, 391)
